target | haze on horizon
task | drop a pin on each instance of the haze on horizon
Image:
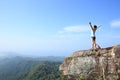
(56, 27)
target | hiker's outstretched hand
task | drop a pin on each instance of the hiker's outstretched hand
(89, 22)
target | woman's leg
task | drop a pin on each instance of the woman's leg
(93, 42)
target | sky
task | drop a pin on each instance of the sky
(57, 27)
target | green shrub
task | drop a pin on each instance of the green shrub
(80, 78)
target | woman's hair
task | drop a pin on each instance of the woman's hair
(95, 26)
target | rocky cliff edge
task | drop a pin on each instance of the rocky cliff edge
(99, 64)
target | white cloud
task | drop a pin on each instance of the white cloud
(82, 28)
(115, 23)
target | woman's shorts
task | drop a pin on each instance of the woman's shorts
(94, 38)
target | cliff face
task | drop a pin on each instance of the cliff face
(101, 64)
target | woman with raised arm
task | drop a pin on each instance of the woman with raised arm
(93, 30)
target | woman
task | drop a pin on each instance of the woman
(93, 30)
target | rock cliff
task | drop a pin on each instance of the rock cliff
(99, 64)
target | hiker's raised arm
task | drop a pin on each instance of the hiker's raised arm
(90, 25)
(99, 26)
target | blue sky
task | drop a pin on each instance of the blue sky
(57, 27)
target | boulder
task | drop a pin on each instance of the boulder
(93, 64)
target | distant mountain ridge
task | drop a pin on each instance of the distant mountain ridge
(19, 68)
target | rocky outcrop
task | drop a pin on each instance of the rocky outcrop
(97, 64)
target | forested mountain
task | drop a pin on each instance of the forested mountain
(19, 68)
(45, 71)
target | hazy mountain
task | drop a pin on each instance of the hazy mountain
(23, 68)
